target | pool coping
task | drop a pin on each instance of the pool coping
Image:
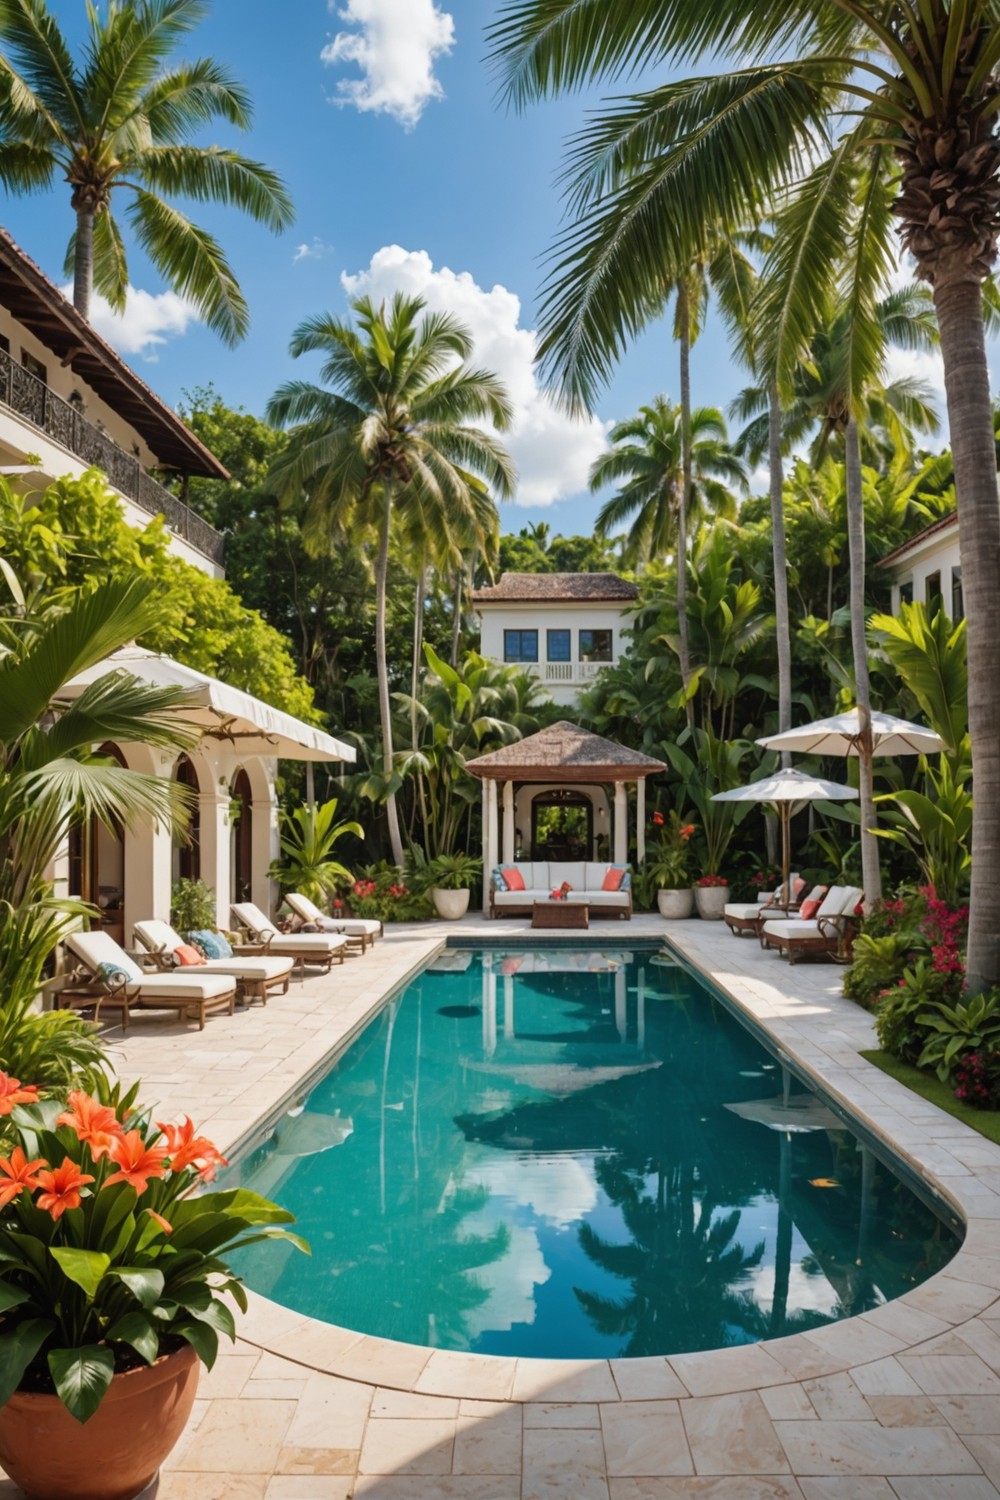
(956, 1163)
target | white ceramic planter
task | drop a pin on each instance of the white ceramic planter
(675, 905)
(451, 906)
(711, 901)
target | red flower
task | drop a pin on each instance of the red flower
(138, 1162)
(12, 1092)
(687, 831)
(95, 1123)
(19, 1173)
(62, 1188)
(658, 819)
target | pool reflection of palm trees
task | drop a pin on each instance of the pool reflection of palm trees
(684, 1264)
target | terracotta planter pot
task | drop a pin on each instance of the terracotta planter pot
(710, 901)
(117, 1453)
(675, 905)
(451, 906)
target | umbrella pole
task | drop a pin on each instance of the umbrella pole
(786, 848)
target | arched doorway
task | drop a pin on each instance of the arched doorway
(241, 863)
(187, 844)
(97, 864)
(562, 825)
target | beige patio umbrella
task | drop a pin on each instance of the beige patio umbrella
(839, 735)
(788, 791)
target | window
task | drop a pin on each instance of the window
(520, 645)
(557, 645)
(595, 645)
(957, 600)
(932, 591)
(4, 343)
(906, 592)
(33, 366)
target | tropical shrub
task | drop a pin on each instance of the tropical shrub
(111, 1256)
(971, 1025)
(669, 865)
(193, 906)
(900, 1010)
(308, 838)
(449, 872)
(976, 1078)
(380, 891)
(876, 964)
(935, 826)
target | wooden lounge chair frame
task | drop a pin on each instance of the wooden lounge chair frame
(113, 990)
(270, 942)
(246, 988)
(834, 940)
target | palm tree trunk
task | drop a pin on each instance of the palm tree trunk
(418, 649)
(783, 638)
(385, 710)
(958, 301)
(456, 623)
(684, 651)
(83, 261)
(871, 874)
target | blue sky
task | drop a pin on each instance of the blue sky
(417, 154)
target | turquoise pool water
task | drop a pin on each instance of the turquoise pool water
(577, 1154)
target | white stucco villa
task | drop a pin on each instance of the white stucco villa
(561, 627)
(928, 568)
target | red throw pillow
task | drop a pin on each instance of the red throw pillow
(808, 909)
(514, 879)
(189, 956)
(613, 879)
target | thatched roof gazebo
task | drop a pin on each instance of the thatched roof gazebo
(564, 755)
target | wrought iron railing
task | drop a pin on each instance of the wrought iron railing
(32, 399)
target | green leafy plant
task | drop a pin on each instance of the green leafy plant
(193, 906)
(308, 838)
(669, 865)
(381, 891)
(876, 964)
(112, 1254)
(452, 872)
(714, 767)
(935, 825)
(900, 1010)
(971, 1025)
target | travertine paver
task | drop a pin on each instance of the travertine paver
(902, 1403)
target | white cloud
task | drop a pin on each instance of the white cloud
(313, 249)
(149, 320)
(553, 452)
(396, 46)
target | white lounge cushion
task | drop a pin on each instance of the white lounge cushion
(158, 936)
(98, 949)
(792, 929)
(352, 926)
(749, 911)
(299, 943)
(195, 982)
(833, 902)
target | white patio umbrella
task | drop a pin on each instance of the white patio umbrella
(839, 735)
(788, 791)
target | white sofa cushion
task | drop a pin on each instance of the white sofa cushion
(573, 872)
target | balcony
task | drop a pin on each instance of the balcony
(31, 399)
(566, 671)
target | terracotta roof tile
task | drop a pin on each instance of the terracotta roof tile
(549, 588)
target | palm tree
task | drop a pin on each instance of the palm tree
(904, 88)
(52, 781)
(119, 122)
(391, 426)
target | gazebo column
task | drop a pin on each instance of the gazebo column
(640, 820)
(621, 824)
(488, 863)
(508, 822)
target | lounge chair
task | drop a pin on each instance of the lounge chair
(254, 976)
(127, 985)
(359, 931)
(747, 916)
(319, 948)
(829, 933)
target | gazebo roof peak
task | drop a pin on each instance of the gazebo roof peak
(564, 752)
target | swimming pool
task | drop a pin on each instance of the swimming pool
(577, 1153)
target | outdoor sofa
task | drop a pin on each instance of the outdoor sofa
(587, 880)
(120, 980)
(255, 976)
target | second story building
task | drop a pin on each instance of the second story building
(69, 402)
(927, 569)
(561, 627)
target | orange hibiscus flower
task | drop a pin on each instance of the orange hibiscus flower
(13, 1092)
(62, 1188)
(94, 1123)
(138, 1162)
(189, 1150)
(18, 1173)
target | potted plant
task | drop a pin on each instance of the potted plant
(193, 906)
(668, 868)
(711, 894)
(112, 1286)
(450, 878)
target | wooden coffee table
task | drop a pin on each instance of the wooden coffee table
(560, 914)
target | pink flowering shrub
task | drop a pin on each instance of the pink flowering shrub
(977, 1079)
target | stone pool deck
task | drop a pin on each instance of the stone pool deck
(902, 1403)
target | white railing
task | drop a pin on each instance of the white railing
(558, 671)
(565, 671)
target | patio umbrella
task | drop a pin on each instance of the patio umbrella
(839, 735)
(788, 791)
